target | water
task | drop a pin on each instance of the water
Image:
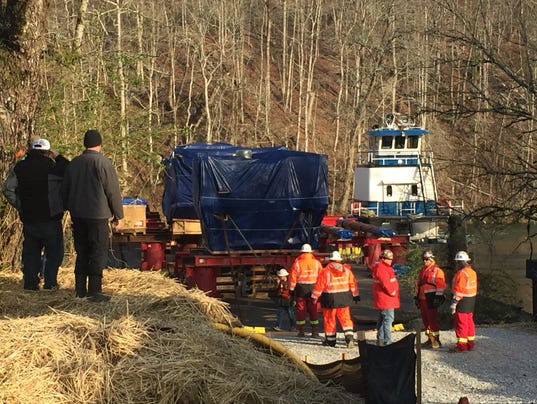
(502, 251)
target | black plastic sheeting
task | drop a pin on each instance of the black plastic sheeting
(346, 372)
(248, 199)
(389, 372)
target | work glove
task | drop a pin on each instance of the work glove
(293, 303)
(417, 301)
(356, 299)
(438, 301)
(453, 307)
(292, 293)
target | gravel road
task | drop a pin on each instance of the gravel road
(502, 368)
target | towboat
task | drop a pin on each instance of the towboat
(395, 200)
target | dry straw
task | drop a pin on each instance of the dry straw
(152, 343)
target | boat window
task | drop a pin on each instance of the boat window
(399, 142)
(414, 190)
(387, 142)
(389, 191)
(412, 142)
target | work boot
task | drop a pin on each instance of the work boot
(435, 342)
(80, 285)
(331, 343)
(300, 331)
(470, 345)
(98, 298)
(314, 332)
(95, 293)
(429, 343)
(460, 347)
(380, 342)
(350, 341)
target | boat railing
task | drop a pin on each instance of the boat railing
(404, 157)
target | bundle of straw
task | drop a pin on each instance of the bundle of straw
(152, 343)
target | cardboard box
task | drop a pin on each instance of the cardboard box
(186, 226)
(134, 217)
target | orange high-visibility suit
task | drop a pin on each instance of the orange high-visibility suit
(464, 288)
(335, 288)
(303, 275)
(430, 294)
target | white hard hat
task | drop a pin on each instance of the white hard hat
(387, 254)
(462, 256)
(335, 256)
(428, 254)
(282, 272)
(306, 248)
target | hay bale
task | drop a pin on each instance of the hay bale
(152, 343)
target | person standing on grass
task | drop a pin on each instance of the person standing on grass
(33, 187)
(429, 297)
(464, 289)
(304, 272)
(91, 194)
(385, 296)
(285, 304)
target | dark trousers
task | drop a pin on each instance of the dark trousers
(91, 239)
(44, 237)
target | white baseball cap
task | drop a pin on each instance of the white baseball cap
(41, 144)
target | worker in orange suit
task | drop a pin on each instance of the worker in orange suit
(304, 272)
(429, 297)
(464, 289)
(336, 288)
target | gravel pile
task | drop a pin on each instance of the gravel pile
(502, 368)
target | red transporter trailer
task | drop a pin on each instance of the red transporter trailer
(361, 241)
(178, 249)
(235, 215)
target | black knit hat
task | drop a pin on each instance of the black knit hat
(92, 138)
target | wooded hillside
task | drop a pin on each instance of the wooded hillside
(312, 75)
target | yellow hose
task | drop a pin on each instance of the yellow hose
(266, 342)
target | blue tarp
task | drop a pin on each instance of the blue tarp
(177, 198)
(128, 200)
(260, 199)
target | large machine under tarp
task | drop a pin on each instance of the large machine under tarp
(248, 199)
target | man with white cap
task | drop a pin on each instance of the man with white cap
(304, 272)
(34, 189)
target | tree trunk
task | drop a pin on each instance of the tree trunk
(21, 43)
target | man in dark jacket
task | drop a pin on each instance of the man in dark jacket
(33, 187)
(91, 194)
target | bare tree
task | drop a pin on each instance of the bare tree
(493, 64)
(22, 38)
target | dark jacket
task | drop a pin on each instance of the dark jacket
(91, 187)
(34, 187)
